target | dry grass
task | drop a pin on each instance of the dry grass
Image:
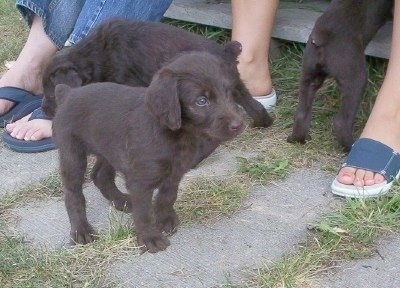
(206, 199)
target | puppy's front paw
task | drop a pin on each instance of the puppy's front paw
(153, 241)
(82, 235)
(167, 222)
(263, 122)
(296, 139)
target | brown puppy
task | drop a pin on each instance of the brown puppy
(336, 48)
(130, 52)
(152, 136)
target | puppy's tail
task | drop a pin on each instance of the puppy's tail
(61, 93)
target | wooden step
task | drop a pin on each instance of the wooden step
(294, 21)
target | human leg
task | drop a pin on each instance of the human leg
(383, 124)
(252, 23)
(47, 33)
(96, 12)
(92, 14)
(27, 70)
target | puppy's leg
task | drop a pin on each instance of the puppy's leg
(148, 235)
(352, 82)
(252, 107)
(103, 176)
(206, 147)
(166, 217)
(312, 78)
(73, 165)
(302, 116)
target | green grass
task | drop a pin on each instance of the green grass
(207, 199)
(262, 169)
(217, 34)
(13, 32)
(347, 234)
(80, 266)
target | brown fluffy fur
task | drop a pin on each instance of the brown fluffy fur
(130, 52)
(153, 136)
(336, 48)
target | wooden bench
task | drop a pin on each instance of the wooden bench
(294, 21)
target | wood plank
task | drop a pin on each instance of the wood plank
(294, 21)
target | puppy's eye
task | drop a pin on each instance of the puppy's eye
(202, 101)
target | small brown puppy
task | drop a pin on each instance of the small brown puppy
(151, 135)
(130, 52)
(336, 48)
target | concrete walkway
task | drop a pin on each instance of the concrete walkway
(273, 223)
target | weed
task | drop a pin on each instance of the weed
(207, 199)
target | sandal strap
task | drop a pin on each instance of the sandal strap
(372, 155)
(39, 114)
(16, 95)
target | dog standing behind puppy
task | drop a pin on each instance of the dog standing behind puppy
(336, 48)
(152, 136)
(130, 52)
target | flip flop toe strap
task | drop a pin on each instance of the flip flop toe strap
(39, 114)
(372, 155)
(17, 95)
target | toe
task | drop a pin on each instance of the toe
(31, 133)
(20, 131)
(37, 135)
(10, 127)
(346, 175)
(378, 178)
(369, 178)
(359, 177)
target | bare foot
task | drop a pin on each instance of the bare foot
(358, 177)
(17, 77)
(33, 130)
(383, 127)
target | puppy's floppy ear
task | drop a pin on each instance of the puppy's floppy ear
(66, 74)
(232, 50)
(61, 92)
(162, 99)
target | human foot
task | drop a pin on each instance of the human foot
(30, 130)
(369, 170)
(383, 127)
(31, 134)
(373, 162)
(18, 77)
(358, 177)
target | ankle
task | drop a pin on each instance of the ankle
(5, 106)
(255, 74)
(384, 127)
(28, 78)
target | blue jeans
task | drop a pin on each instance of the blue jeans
(71, 20)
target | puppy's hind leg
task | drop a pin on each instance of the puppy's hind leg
(103, 176)
(311, 80)
(73, 164)
(352, 82)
